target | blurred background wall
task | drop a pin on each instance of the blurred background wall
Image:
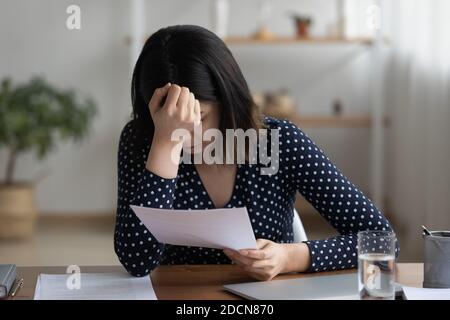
(94, 60)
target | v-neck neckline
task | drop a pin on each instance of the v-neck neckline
(233, 193)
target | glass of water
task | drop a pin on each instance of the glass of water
(376, 265)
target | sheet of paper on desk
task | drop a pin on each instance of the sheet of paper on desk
(411, 293)
(213, 228)
(93, 286)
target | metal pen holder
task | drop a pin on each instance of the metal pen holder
(437, 259)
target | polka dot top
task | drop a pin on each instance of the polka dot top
(269, 199)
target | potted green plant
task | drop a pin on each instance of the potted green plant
(33, 117)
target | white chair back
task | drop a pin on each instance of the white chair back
(299, 231)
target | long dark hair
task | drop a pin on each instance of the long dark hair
(194, 57)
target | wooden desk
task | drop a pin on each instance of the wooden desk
(200, 282)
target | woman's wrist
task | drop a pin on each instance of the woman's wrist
(297, 257)
(164, 158)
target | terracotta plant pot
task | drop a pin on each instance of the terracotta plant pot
(302, 29)
(17, 210)
(302, 26)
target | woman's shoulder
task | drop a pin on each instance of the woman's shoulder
(128, 127)
(285, 127)
(132, 138)
(128, 132)
(293, 142)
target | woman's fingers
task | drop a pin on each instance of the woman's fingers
(260, 274)
(172, 98)
(251, 270)
(182, 103)
(261, 269)
(243, 259)
(264, 250)
(236, 257)
(256, 253)
(157, 97)
(229, 253)
(191, 107)
(260, 264)
(261, 243)
(197, 111)
(180, 107)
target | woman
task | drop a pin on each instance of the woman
(186, 76)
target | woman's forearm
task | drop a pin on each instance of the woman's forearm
(164, 158)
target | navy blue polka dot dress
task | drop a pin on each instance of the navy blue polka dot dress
(303, 167)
